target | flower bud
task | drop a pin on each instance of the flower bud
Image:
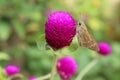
(66, 67)
(105, 49)
(11, 70)
(31, 78)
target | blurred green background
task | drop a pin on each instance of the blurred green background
(22, 25)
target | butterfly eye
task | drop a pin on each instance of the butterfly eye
(79, 23)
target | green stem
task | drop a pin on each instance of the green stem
(20, 76)
(44, 77)
(53, 67)
(86, 69)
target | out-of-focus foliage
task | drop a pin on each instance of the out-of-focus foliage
(2, 74)
(22, 29)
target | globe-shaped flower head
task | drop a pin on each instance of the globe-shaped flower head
(11, 70)
(66, 67)
(105, 49)
(60, 29)
(31, 78)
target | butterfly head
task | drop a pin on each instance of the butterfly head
(80, 23)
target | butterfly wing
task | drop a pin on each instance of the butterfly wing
(84, 37)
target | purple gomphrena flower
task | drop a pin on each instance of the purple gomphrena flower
(32, 78)
(105, 49)
(11, 70)
(66, 67)
(60, 29)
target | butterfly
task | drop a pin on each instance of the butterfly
(84, 37)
